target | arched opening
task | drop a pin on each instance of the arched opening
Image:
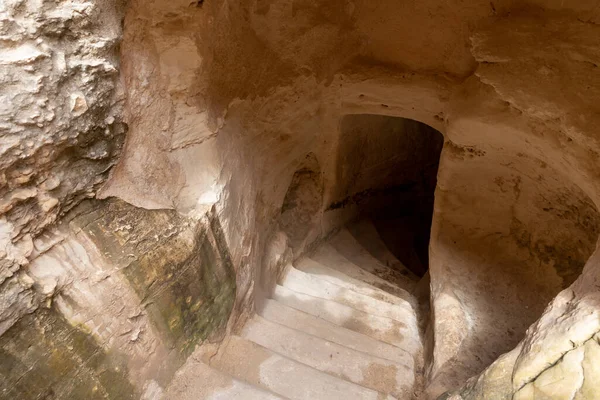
(509, 232)
(387, 168)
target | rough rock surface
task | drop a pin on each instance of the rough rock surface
(60, 128)
(235, 148)
(540, 125)
(135, 289)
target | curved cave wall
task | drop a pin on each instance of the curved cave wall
(510, 232)
(235, 114)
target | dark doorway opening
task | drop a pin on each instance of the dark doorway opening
(387, 167)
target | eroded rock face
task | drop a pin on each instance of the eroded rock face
(557, 358)
(301, 205)
(42, 354)
(135, 289)
(61, 128)
(542, 130)
(237, 146)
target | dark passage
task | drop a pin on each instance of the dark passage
(387, 167)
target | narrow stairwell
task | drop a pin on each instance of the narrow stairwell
(342, 323)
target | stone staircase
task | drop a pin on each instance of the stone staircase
(341, 324)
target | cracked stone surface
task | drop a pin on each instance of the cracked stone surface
(61, 126)
(163, 162)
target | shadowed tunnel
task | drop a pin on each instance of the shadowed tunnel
(387, 168)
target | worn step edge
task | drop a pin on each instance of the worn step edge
(198, 381)
(350, 248)
(312, 285)
(337, 277)
(327, 255)
(363, 369)
(305, 322)
(262, 367)
(367, 235)
(380, 328)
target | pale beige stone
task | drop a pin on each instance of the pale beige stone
(276, 125)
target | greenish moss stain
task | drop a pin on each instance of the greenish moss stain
(43, 357)
(183, 275)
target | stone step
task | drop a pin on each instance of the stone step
(402, 233)
(299, 320)
(363, 369)
(380, 328)
(337, 277)
(366, 234)
(327, 255)
(197, 381)
(349, 247)
(312, 285)
(264, 368)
